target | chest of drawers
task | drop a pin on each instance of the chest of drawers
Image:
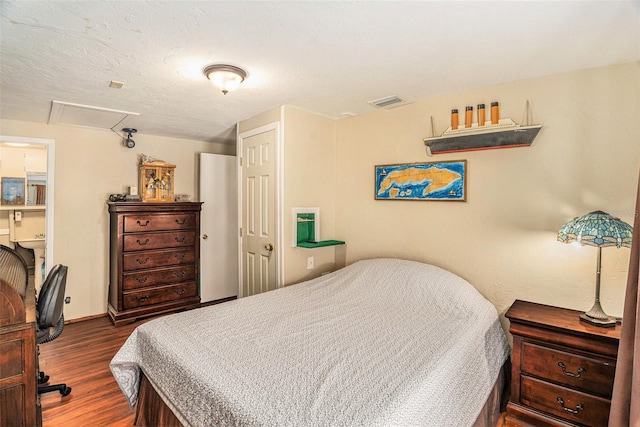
(562, 368)
(154, 257)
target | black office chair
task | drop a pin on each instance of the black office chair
(51, 319)
(13, 270)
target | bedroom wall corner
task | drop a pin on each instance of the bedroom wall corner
(309, 169)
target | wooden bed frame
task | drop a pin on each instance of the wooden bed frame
(152, 411)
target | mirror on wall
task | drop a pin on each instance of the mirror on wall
(36, 188)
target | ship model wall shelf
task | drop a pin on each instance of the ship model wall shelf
(504, 134)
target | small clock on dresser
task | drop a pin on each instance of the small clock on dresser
(562, 368)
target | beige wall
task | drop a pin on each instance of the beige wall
(90, 165)
(503, 239)
(310, 181)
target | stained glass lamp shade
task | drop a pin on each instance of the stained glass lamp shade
(601, 230)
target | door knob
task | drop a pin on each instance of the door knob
(205, 237)
(268, 247)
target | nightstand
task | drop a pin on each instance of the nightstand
(562, 368)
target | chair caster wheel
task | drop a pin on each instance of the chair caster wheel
(65, 391)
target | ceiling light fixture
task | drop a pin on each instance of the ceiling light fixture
(225, 77)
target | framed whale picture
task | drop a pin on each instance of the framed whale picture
(436, 181)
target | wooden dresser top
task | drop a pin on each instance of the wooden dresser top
(558, 319)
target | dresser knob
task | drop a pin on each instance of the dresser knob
(181, 239)
(579, 406)
(146, 222)
(142, 243)
(181, 222)
(581, 371)
(142, 298)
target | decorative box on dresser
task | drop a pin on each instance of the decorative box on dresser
(154, 258)
(562, 368)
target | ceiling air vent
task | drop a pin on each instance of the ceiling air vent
(388, 102)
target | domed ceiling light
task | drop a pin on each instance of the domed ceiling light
(225, 77)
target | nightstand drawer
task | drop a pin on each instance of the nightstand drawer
(564, 403)
(589, 374)
(141, 223)
(150, 259)
(144, 241)
(153, 296)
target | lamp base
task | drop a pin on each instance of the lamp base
(609, 322)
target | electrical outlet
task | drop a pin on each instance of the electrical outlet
(310, 263)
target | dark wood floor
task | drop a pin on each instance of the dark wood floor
(80, 358)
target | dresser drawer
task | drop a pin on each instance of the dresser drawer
(162, 276)
(146, 241)
(150, 259)
(571, 405)
(162, 294)
(149, 222)
(589, 374)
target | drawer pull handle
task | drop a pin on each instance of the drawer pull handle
(179, 273)
(180, 239)
(146, 222)
(180, 256)
(179, 291)
(579, 406)
(142, 298)
(581, 371)
(181, 222)
(142, 261)
(142, 279)
(142, 243)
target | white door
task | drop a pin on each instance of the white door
(259, 235)
(218, 227)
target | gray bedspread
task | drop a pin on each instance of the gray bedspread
(380, 342)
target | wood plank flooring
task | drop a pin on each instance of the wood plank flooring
(80, 358)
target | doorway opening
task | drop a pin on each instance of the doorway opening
(49, 145)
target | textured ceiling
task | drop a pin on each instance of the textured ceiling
(330, 58)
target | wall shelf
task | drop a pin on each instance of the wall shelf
(306, 229)
(505, 134)
(22, 208)
(320, 244)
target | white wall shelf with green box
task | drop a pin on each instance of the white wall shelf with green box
(306, 229)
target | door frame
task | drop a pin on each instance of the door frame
(279, 200)
(50, 145)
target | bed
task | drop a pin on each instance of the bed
(382, 342)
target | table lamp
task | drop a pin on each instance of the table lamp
(601, 230)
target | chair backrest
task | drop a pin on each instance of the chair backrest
(51, 298)
(13, 270)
